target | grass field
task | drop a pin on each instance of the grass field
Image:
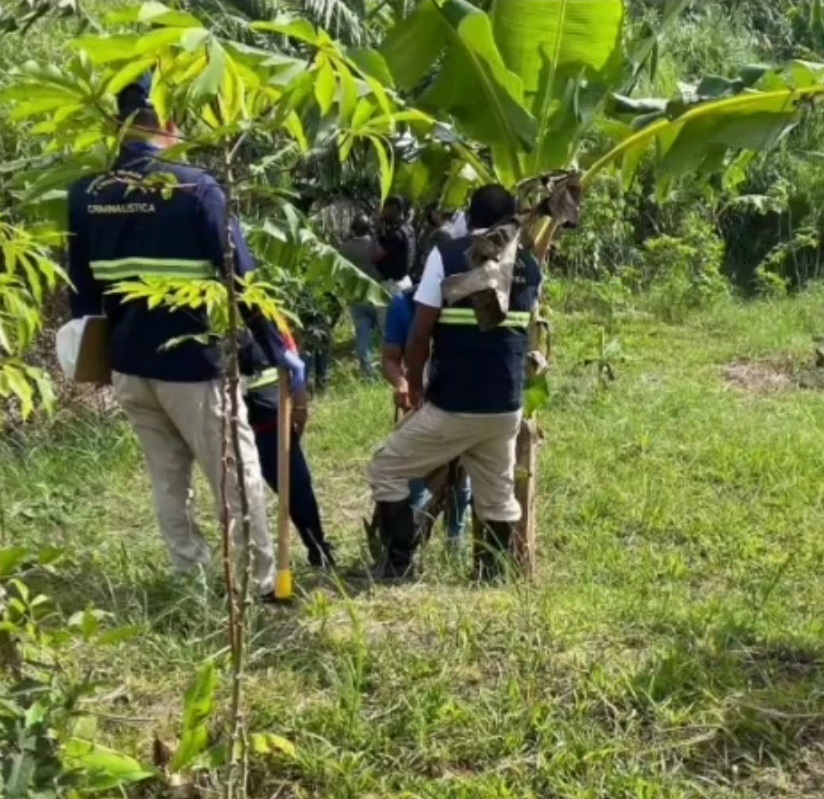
(672, 646)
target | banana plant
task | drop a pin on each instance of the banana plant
(530, 79)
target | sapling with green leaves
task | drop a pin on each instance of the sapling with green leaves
(225, 95)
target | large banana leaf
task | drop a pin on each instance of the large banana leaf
(557, 48)
(702, 135)
(471, 84)
(290, 245)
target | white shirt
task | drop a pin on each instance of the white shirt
(459, 226)
(429, 291)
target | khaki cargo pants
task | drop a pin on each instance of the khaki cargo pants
(431, 437)
(178, 425)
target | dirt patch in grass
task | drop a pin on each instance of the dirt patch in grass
(773, 376)
(761, 377)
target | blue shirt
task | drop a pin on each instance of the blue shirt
(123, 228)
(399, 316)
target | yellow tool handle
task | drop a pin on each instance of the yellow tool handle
(283, 576)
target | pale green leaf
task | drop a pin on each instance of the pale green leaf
(363, 112)
(11, 559)
(25, 110)
(194, 38)
(295, 128)
(155, 13)
(347, 96)
(198, 707)
(268, 743)
(127, 75)
(386, 161)
(536, 395)
(372, 63)
(155, 42)
(346, 141)
(161, 97)
(103, 768)
(106, 49)
(207, 85)
(299, 29)
(553, 45)
(325, 86)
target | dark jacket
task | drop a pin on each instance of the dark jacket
(398, 243)
(474, 371)
(123, 228)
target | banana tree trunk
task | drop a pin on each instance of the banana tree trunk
(524, 542)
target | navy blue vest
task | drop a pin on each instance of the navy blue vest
(474, 371)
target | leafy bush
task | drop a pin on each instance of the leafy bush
(684, 273)
(606, 240)
(42, 726)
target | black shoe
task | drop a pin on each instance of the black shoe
(492, 559)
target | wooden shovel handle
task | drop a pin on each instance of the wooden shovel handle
(283, 578)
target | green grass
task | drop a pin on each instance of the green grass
(671, 647)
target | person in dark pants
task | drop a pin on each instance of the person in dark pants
(262, 399)
(366, 317)
(319, 316)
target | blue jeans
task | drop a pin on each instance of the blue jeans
(457, 503)
(366, 319)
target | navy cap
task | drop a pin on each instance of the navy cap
(135, 97)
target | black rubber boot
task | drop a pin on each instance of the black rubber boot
(492, 550)
(396, 521)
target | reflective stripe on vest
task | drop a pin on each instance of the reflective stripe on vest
(124, 268)
(268, 377)
(466, 316)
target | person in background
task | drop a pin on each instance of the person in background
(472, 406)
(436, 231)
(319, 315)
(262, 398)
(358, 249)
(122, 228)
(394, 247)
(399, 316)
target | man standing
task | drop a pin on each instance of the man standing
(262, 398)
(150, 218)
(319, 315)
(436, 231)
(473, 402)
(394, 253)
(358, 250)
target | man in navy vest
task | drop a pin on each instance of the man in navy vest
(124, 226)
(472, 404)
